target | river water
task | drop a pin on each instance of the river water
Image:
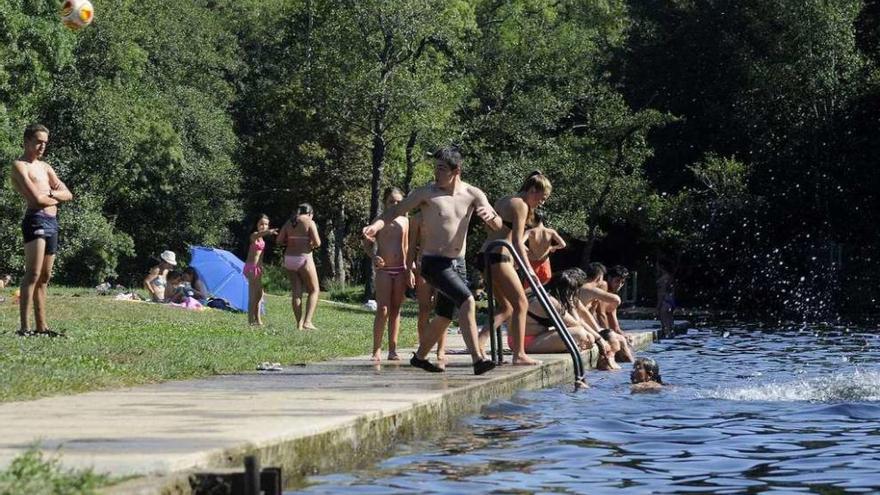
(744, 412)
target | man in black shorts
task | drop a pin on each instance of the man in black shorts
(446, 205)
(43, 191)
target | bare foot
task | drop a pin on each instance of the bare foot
(309, 326)
(392, 356)
(524, 360)
(377, 356)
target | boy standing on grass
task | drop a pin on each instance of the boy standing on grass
(447, 205)
(43, 191)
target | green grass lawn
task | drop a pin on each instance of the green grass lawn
(118, 343)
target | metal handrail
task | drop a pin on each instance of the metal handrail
(544, 299)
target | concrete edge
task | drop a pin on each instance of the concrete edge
(370, 436)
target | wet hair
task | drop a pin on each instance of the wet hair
(537, 181)
(32, 130)
(449, 155)
(389, 191)
(259, 219)
(617, 271)
(595, 269)
(564, 286)
(651, 368)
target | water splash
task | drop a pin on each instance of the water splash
(852, 386)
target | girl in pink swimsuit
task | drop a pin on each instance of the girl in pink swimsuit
(299, 235)
(392, 277)
(253, 268)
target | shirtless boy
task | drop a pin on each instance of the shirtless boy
(447, 205)
(43, 191)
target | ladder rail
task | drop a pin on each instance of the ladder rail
(544, 299)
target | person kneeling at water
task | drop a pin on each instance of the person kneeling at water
(645, 375)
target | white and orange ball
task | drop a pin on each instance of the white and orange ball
(77, 13)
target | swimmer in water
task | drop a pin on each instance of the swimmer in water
(645, 375)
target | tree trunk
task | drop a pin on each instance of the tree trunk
(325, 225)
(378, 163)
(587, 250)
(410, 162)
(338, 247)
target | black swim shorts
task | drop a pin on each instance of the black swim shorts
(38, 225)
(449, 277)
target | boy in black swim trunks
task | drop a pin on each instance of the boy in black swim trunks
(43, 191)
(446, 205)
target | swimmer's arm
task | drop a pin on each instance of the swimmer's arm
(60, 191)
(314, 238)
(485, 211)
(28, 189)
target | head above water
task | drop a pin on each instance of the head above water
(645, 370)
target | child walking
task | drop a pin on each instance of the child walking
(392, 277)
(253, 268)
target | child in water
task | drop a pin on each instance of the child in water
(645, 375)
(253, 268)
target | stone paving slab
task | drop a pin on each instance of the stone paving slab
(179, 426)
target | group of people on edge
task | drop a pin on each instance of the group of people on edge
(426, 252)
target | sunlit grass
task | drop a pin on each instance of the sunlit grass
(118, 343)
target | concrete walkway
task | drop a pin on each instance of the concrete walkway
(315, 418)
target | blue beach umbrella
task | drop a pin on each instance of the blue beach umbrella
(222, 273)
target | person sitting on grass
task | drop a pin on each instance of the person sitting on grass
(645, 375)
(155, 280)
(175, 291)
(541, 336)
(192, 280)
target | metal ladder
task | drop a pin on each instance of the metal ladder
(544, 299)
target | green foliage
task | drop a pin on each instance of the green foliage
(32, 472)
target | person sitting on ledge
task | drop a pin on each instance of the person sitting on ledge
(541, 336)
(645, 375)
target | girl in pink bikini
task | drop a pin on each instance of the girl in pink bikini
(299, 235)
(253, 268)
(392, 277)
